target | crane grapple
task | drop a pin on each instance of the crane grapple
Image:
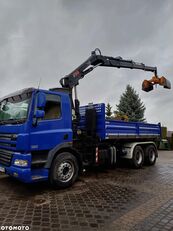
(147, 85)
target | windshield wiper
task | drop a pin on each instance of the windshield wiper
(13, 121)
(17, 121)
(2, 122)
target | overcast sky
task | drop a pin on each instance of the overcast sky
(47, 39)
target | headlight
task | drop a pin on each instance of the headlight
(21, 163)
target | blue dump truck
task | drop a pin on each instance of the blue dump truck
(46, 135)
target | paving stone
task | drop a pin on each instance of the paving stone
(116, 199)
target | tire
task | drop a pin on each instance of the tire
(150, 155)
(64, 170)
(137, 160)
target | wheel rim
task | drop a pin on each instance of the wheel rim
(152, 156)
(138, 157)
(65, 171)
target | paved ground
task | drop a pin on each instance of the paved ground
(119, 199)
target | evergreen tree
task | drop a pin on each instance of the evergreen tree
(108, 110)
(131, 105)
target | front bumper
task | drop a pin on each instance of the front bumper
(25, 174)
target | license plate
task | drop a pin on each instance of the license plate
(2, 169)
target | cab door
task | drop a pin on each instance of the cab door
(56, 125)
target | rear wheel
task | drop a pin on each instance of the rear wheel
(64, 170)
(150, 155)
(138, 157)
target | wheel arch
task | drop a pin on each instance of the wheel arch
(66, 147)
(129, 148)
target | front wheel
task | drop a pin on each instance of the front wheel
(64, 170)
(138, 157)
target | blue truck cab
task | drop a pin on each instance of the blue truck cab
(28, 133)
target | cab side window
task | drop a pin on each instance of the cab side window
(53, 107)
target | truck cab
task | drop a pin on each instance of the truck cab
(32, 122)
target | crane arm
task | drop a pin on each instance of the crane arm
(95, 60)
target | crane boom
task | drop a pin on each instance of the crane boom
(71, 80)
(96, 59)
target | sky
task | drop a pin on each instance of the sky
(46, 39)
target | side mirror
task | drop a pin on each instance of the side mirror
(41, 100)
(39, 114)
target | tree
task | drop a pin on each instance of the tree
(108, 110)
(131, 105)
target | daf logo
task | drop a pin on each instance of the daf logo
(34, 146)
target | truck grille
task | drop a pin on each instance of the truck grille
(5, 157)
(8, 140)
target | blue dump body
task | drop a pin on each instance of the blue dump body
(117, 129)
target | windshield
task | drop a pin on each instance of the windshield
(14, 109)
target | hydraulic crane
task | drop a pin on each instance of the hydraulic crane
(96, 59)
